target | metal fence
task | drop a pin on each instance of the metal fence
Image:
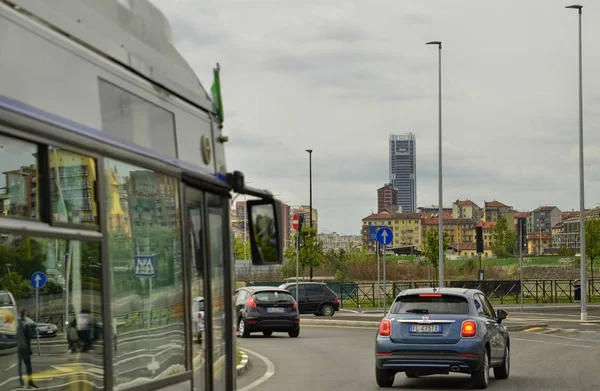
(371, 294)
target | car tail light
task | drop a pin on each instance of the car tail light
(335, 299)
(294, 305)
(468, 329)
(430, 295)
(199, 315)
(251, 302)
(385, 328)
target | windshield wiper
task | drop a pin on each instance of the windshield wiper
(418, 311)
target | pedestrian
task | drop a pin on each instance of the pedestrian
(25, 332)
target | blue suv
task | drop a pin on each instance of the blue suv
(432, 331)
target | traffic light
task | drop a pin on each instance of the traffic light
(479, 239)
(300, 222)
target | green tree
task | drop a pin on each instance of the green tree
(431, 247)
(311, 251)
(592, 241)
(337, 262)
(238, 248)
(503, 239)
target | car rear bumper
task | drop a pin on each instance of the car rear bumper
(270, 324)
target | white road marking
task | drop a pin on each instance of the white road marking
(270, 371)
(11, 367)
(554, 343)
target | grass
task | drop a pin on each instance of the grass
(239, 356)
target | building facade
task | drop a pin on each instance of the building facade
(542, 219)
(403, 169)
(387, 197)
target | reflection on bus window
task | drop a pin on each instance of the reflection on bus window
(265, 230)
(196, 267)
(67, 317)
(215, 221)
(143, 219)
(73, 181)
(19, 178)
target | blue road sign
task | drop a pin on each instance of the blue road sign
(38, 280)
(385, 236)
(145, 266)
(373, 232)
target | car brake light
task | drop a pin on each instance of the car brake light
(385, 328)
(335, 299)
(251, 302)
(199, 315)
(430, 295)
(468, 329)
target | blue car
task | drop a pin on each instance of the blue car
(430, 331)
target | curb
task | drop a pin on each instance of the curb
(243, 367)
(357, 323)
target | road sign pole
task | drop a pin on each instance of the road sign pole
(521, 258)
(384, 282)
(384, 237)
(37, 320)
(297, 269)
(378, 278)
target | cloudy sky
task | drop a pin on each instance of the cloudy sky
(340, 76)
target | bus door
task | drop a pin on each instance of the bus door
(210, 272)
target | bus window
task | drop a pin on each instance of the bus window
(144, 239)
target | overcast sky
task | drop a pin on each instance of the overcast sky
(340, 76)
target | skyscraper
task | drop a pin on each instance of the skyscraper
(403, 169)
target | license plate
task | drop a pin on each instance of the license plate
(275, 309)
(425, 328)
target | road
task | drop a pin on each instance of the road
(333, 359)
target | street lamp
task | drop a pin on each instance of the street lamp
(441, 209)
(581, 183)
(310, 197)
(245, 225)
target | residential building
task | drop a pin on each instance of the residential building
(567, 234)
(286, 225)
(494, 209)
(435, 210)
(335, 241)
(403, 169)
(542, 219)
(387, 196)
(405, 226)
(466, 209)
(538, 242)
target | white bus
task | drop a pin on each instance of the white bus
(114, 201)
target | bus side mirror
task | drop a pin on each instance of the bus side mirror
(265, 233)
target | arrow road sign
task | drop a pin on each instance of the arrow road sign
(385, 236)
(145, 266)
(38, 280)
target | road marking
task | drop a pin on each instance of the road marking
(554, 343)
(11, 367)
(532, 329)
(270, 371)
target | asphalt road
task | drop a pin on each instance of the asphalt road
(343, 359)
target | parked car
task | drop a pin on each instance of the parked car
(8, 321)
(266, 309)
(314, 298)
(437, 331)
(47, 329)
(198, 317)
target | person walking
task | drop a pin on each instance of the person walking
(25, 332)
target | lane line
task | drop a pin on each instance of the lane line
(11, 367)
(270, 371)
(532, 329)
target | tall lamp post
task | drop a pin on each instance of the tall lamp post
(581, 183)
(441, 209)
(310, 197)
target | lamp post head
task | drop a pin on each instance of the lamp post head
(575, 6)
(309, 150)
(438, 43)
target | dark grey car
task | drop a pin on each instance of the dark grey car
(314, 298)
(266, 309)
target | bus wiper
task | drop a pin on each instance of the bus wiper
(418, 311)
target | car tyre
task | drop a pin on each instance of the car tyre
(243, 330)
(411, 375)
(481, 378)
(294, 333)
(384, 377)
(267, 333)
(503, 371)
(327, 310)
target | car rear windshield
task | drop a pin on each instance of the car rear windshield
(5, 300)
(273, 297)
(200, 305)
(430, 304)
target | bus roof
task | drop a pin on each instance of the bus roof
(134, 33)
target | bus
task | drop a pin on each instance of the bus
(115, 203)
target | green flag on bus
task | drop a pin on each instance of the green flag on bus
(216, 92)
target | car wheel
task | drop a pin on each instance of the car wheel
(503, 371)
(327, 310)
(199, 337)
(243, 331)
(411, 375)
(267, 333)
(481, 378)
(294, 333)
(384, 377)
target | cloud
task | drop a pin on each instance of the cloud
(340, 76)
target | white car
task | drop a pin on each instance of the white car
(198, 317)
(8, 321)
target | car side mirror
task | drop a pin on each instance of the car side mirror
(265, 233)
(502, 315)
